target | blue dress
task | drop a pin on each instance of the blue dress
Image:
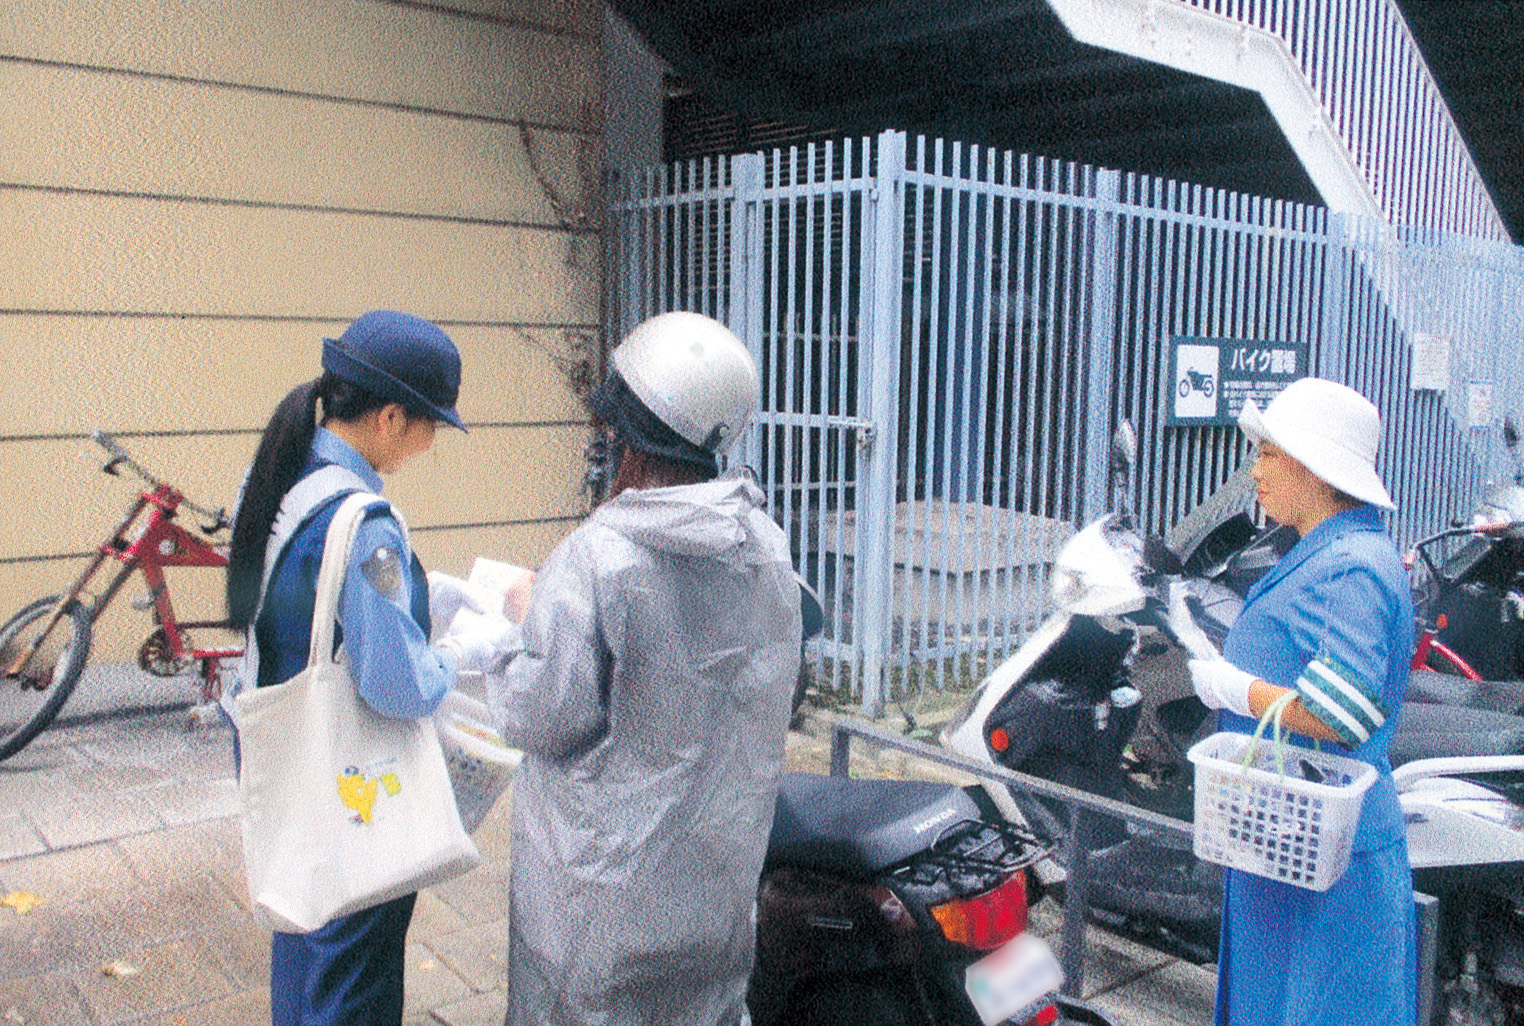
(1347, 956)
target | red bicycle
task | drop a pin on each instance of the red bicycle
(43, 648)
(1430, 653)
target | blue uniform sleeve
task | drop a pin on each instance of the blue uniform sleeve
(393, 667)
(1349, 615)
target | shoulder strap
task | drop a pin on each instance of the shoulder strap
(304, 499)
(337, 546)
(300, 503)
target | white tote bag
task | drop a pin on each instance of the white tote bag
(343, 808)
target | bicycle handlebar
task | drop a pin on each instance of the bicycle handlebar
(120, 457)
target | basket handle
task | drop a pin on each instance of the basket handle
(1272, 712)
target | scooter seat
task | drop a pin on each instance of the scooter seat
(1504, 696)
(860, 827)
(1428, 731)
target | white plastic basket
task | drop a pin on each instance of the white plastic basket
(480, 763)
(1281, 826)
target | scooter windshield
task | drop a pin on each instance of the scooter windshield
(1096, 573)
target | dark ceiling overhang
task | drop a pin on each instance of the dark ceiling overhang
(1006, 74)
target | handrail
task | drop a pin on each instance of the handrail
(1361, 61)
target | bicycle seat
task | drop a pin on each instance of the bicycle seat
(859, 827)
(1428, 731)
(1504, 696)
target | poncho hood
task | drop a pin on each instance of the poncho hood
(721, 519)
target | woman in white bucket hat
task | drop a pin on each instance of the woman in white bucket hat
(1333, 623)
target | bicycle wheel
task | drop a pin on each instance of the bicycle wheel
(30, 700)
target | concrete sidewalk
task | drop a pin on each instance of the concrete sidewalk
(126, 830)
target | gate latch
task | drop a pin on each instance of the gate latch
(866, 431)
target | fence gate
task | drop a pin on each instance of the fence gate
(947, 337)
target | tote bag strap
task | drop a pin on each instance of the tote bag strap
(337, 545)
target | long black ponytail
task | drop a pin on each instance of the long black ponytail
(278, 464)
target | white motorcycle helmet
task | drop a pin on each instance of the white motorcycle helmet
(694, 375)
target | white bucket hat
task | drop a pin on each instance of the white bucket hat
(1330, 429)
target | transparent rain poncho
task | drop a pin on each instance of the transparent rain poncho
(652, 700)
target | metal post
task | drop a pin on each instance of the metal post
(883, 245)
(1076, 898)
(1334, 341)
(841, 751)
(1427, 909)
(747, 176)
(1101, 343)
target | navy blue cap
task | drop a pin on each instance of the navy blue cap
(399, 358)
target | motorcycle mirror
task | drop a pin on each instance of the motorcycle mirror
(1124, 447)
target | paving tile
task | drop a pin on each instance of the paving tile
(1111, 961)
(165, 741)
(479, 955)
(196, 849)
(56, 938)
(71, 875)
(48, 753)
(242, 952)
(181, 802)
(18, 837)
(68, 822)
(433, 919)
(169, 977)
(250, 1007)
(48, 1000)
(95, 779)
(1175, 992)
(478, 1010)
(429, 983)
(479, 896)
(156, 913)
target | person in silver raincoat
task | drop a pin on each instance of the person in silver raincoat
(652, 699)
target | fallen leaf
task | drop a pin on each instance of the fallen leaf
(120, 969)
(427, 965)
(22, 901)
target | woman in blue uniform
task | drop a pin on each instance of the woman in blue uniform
(386, 382)
(1333, 622)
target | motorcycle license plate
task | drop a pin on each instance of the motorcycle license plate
(1016, 977)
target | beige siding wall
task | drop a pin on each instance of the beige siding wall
(193, 194)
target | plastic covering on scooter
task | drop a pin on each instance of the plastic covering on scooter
(1441, 731)
(860, 827)
(1504, 696)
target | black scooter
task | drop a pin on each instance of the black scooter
(894, 903)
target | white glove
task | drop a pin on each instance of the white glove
(479, 640)
(447, 597)
(1221, 685)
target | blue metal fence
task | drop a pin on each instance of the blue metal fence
(948, 336)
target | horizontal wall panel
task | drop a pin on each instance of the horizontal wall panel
(364, 50)
(71, 374)
(91, 130)
(490, 475)
(454, 551)
(580, 17)
(122, 254)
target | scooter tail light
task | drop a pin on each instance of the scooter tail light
(1047, 1017)
(985, 921)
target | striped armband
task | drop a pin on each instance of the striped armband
(1341, 700)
